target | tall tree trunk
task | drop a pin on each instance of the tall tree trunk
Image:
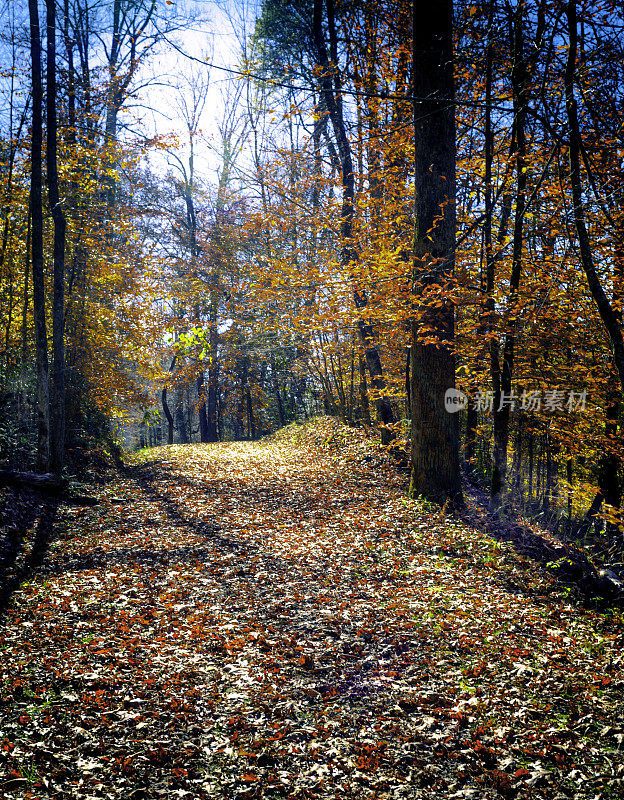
(486, 315)
(25, 301)
(201, 409)
(251, 427)
(242, 403)
(502, 391)
(530, 446)
(278, 396)
(166, 409)
(57, 411)
(167, 412)
(36, 210)
(180, 419)
(435, 432)
(213, 369)
(364, 404)
(470, 447)
(191, 223)
(206, 433)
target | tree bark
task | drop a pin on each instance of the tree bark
(57, 409)
(201, 409)
(165, 405)
(435, 432)
(24, 337)
(36, 206)
(278, 396)
(251, 427)
(181, 425)
(487, 311)
(167, 411)
(504, 374)
(213, 369)
(363, 391)
(46, 481)
(470, 447)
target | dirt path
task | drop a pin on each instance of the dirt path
(275, 620)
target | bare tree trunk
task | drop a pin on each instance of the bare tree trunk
(201, 408)
(530, 445)
(278, 396)
(180, 420)
(36, 206)
(213, 369)
(166, 408)
(242, 403)
(189, 413)
(435, 432)
(57, 410)
(472, 422)
(502, 392)
(251, 427)
(167, 411)
(364, 391)
(25, 301)
(486, 316)
(351, 402)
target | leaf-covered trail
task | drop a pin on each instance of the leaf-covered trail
(275, 620)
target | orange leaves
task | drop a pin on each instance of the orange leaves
(277, 615)
(306, 661)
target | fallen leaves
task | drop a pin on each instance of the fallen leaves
(276, 620)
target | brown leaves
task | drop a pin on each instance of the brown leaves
(275, 620)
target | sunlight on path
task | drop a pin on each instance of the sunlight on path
(274, 619)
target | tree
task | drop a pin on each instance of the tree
(435, 432)
(57, 409)
(191, 107)
(36, 212)
(610, 316)
(502, 374)
(330, 87)
(610, 310)
(317, 41)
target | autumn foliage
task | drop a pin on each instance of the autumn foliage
(275, 619)
(210, 310)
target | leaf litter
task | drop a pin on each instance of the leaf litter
(275, 620)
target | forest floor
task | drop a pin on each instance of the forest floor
(276, 620)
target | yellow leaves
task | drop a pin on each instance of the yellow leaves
(612, 515)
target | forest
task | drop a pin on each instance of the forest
(397, 205)
(311, 399)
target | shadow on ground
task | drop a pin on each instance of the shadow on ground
(26, 529)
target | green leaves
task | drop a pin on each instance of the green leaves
(195, 341)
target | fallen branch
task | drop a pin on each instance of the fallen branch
(45, 482)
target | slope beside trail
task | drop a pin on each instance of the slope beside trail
(276, 620)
